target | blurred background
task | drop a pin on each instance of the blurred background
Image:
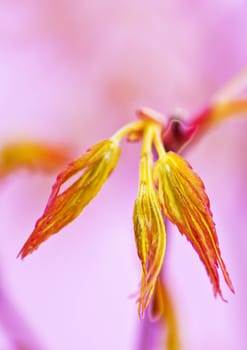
(71, 73)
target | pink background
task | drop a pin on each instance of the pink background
(72, 72)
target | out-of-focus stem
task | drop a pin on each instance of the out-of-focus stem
(233, 88)
(210, 117)
(163, 310)
(169, 319)
(224, 104)
(181, 135)
(159, 328)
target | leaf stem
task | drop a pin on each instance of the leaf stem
(159, 146)
(134, 127)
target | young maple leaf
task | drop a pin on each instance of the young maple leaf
(183, 199)
(96, 165)
(179, 193)
(149, 227)
(150, 239)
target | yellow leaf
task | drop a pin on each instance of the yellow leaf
(150, 237)
(184, 201)
(96, 165)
